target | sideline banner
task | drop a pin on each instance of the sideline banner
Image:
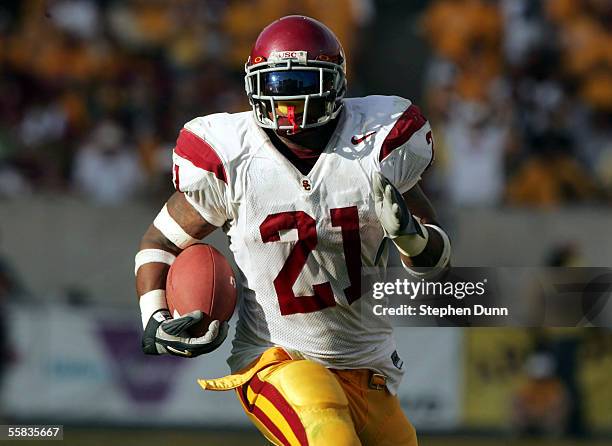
(80, 364)
(430, 392)
(495, 367)
(494, 361)
(84, 365)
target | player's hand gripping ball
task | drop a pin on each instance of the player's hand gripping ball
(201, 296)
(201, 279)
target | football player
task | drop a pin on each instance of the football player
(307, 186)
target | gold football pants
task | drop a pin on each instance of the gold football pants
(299, 402)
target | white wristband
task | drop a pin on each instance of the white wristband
(150, 303)
(424, 273)
(413, 244)
(152, 256)
(172, 230)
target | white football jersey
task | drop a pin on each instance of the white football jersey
(300, 241)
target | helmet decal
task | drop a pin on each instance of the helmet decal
(279, 56)
(291, 117)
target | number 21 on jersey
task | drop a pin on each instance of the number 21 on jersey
(347, 219)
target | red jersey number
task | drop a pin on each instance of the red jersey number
(345, 218)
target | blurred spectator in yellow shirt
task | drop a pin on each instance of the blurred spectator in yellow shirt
(551, 176)
(540, 404)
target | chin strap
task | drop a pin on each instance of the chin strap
(291, 118)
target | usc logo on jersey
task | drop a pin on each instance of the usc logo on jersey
(306, 184)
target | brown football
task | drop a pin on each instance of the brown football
(201, 279)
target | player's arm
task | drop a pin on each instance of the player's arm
(152, 275)
(176, 227)
(409, 220)
(420, 240)
(420, 207)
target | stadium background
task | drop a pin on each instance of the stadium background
(92, 95)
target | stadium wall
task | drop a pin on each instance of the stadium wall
(57, 243)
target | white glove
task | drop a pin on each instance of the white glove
(166, 335)
(408, 234)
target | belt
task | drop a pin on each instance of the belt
(364, 378)
(377, 381)
(274, 356)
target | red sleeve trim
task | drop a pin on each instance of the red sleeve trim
(200, 153)
(177, 182)
(407, 124)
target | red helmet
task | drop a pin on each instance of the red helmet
(298, 61)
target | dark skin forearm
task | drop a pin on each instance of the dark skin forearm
(152, 276)
(420, 206)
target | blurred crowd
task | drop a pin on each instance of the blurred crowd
(93, 92)
(521, 94)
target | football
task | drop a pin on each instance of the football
(201, 279)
